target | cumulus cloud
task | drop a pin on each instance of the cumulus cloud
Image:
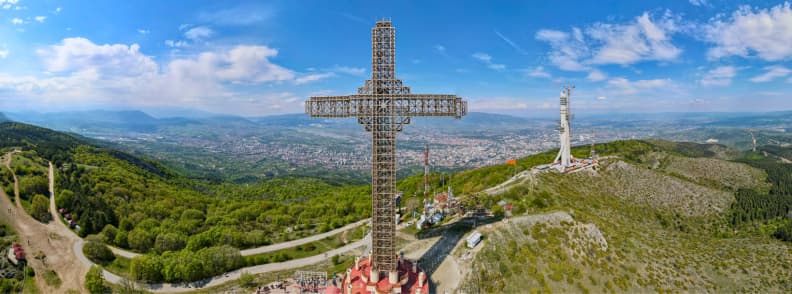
(537, 72)
(175, 44)
(79, 54)
(766, 33)
(198, 33)
(600, 98)
(596, 76)
(143, 32)
(568, 48)
(17, 21)
(630, 43)
(78, 70)
(719, 76)
(698, 2)
(643, 39)
(487, 59)
(773, 72)
(624, 86)
(3, 53)
(7, 4)
(40, 18)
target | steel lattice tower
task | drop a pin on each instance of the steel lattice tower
(383, 106)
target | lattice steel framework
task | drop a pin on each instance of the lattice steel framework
(383, 106)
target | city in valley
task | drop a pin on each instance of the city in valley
(297, 147)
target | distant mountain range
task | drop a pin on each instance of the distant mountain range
(139, 121)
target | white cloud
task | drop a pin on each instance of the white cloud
(698, 2)
(7, 4)
(538, 72)
(3, 53)
(355, 71)
(626, 87)
(634, 42)
(80, 54)
(241, 15)
(439, 49)
(198, 33)
(765, 33)
(601, 98)
(143, 32)
(40, 18)
(242, 64)
(17, 21)
(720, 76)
(644, 39)
(312, 78)
(175, 44)
(773, 72)
(511, 43)
(487, 59)
(80, 71)
(596, 76)
(566, 51)
(58, 10)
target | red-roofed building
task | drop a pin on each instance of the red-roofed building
(332, 290)
(411, 280)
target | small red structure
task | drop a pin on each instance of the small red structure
(332, 289)
(16, 254)
(411, 279)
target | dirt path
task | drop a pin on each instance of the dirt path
(7, 163)
(52, 240)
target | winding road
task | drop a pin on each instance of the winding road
(268, 248)
(77, 249)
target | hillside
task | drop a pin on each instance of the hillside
(138, 204)
(658, 218)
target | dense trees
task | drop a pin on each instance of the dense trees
(185, 265)
(97, 251)
(94, 281)
(39, 209)
(751, 205)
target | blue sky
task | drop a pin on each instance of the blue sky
(259, 58)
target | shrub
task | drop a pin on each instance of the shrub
(94, 281)
(98, 252)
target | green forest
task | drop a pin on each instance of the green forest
(193, 228)
(774, 205)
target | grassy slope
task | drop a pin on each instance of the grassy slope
(663, 232)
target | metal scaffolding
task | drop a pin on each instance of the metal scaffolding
(383, 106)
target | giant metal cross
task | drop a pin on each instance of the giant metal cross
(384, 105)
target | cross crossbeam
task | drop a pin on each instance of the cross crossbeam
(384, 105)
(409, 105)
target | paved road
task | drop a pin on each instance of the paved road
(78, 243)
(268, 248)
(298, 242)
(227, 277)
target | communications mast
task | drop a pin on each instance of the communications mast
(564, 158)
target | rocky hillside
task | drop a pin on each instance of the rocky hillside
(654, 221)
